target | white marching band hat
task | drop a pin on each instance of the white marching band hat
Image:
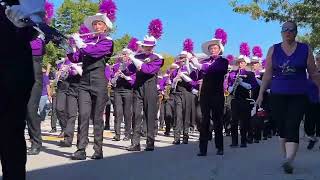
(98, 17)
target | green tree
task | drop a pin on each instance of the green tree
(72, 13)
(52, 54)
(168, 60)
(305, 12)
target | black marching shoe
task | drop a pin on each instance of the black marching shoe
(265, 138)
(234, 145)
(176, 142)
(65, 143)
(116, 138)
(287, 168)
(243, 145)
(149, 148)
(256, 141)
(106, 128)
(185, 140)
(134, 148)
(202, 154)
(34, 151)
(97, 156)
(311, 144)
(220, 152)
(79, 155)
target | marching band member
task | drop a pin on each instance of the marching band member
(123, 77)
(71, 102)
(183, 81)
(145, 93)
(93, 52)
(16, 79)
(240, 85)
(212, 70)
(33, 118)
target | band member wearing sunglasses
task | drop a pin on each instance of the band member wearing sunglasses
(287, 65)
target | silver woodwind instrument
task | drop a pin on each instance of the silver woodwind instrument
(237, 82)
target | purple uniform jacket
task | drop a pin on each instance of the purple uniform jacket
(149, 69)
(107, 72)
(97, 48)
(213, 73)
(38, 47)
(128, 69)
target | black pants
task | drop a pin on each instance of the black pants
(145, 108)
(91, 104)
(211, 108)
(16, 79)
(61, 108)
(183, 116)
(169, 107)
(162, 111)
(241, 113)
(123, 99)
(72, 111)
(54, 117)
(288, 111)
(312, 121)
(33, 118)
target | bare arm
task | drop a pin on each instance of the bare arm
(312, 69)
(266, 80)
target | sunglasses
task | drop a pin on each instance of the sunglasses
(287, 29)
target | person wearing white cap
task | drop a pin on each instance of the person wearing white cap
(94, 52)
(145, 95)
(240, 83)
(212, 71)
(122, 80)
(184, 80)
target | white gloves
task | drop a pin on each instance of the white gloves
(158, 86)
(79, 41)
(185, 77)
(195, 92)
(196, 63)
(33, 9)
(268, 91)
(245, 85)
(128, 78)
(77, 68)
(138, 63)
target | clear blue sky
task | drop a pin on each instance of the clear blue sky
(192, 19)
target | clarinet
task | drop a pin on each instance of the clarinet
(237, 82)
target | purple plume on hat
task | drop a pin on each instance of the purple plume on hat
(49, 11)
(132, 45)
(221, 34)
(257, 51)
(155, 28)
(83, 29)
(230, 58)
(244, 49)
(109, 8)
(188, 45)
